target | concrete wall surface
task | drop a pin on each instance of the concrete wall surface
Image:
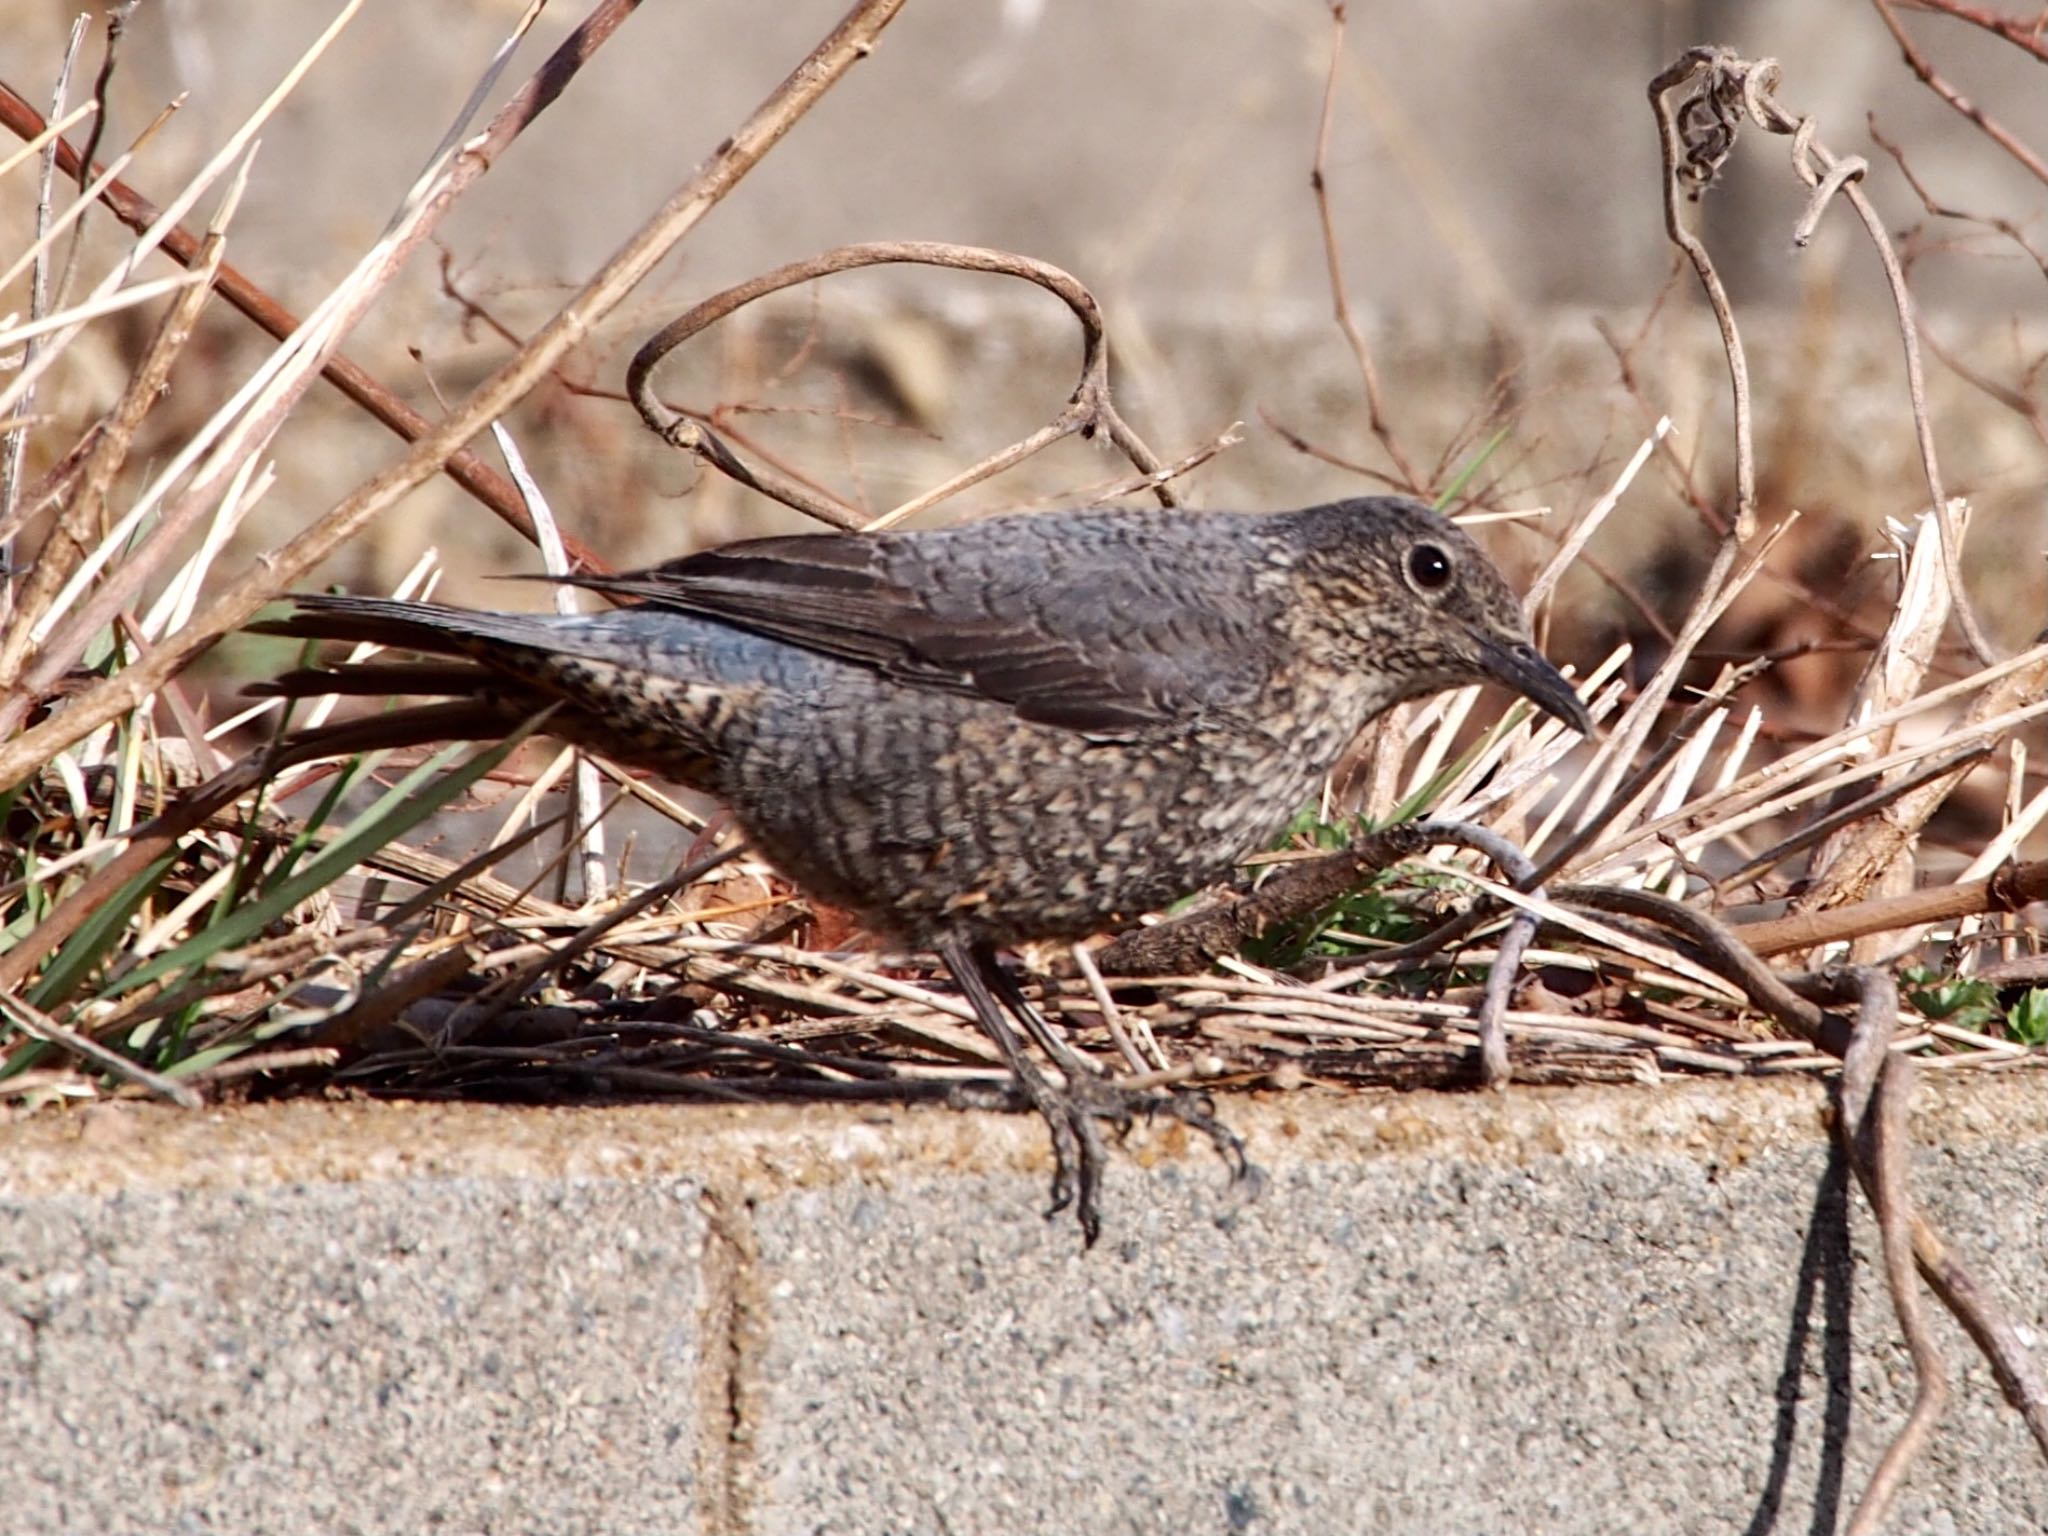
(1582, 1311)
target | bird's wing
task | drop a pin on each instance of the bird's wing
(1068, 642)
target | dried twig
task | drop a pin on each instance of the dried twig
(77, 525)
(38, 1025)
(1928, 76)
(1697, 138)
(1796, 1003)
(14, 444)
(239, 599)
(1088, 410)
(139, 214)
(1877, 1148)
(2012, 889)
(1340, 301)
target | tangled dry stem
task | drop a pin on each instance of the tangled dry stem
(238, 601)
(1245, 1021)
(1088, 410)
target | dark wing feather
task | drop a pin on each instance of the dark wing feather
(1068, 649)
(822, 592)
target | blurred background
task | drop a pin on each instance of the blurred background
(1493, 184)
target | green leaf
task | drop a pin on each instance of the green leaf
(212, 1056)
(1963, 1001)
(2027, 1019)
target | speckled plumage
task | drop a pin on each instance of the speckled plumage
(1026, 728)
(1034, 726)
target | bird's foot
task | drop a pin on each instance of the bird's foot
(1197, 1111)
(1078, 1154)
(1074, 1115)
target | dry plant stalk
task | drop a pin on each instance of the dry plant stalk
(249, 298)
(1696, 138)
(1875, 855)
(239, 599)
(1089, 409)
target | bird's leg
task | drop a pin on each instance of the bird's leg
(1077, 1151)
(1076, 1067)
(1099, 1097)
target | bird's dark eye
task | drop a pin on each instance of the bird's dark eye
(1429, 568)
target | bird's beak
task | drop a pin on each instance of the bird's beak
(1523, 668)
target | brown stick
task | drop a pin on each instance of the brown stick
(853, 39)
(1871, 1099)
(246, 295)
(1191, 943)
(2010, 890)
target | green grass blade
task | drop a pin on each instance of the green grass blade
(1473, 465)
(409, 802)
(85, 949)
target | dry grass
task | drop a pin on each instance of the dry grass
(222, 952)
(209, 952)
(284, 932)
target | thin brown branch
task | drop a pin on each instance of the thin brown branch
(1984, 122)
(2010, 890)
(1697, 140)
(1871, 1100)
(239, 599)
(138, 213)
(1333, 257)
(1941, 210)
(2028, 36)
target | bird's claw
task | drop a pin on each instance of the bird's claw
(1074, 1115)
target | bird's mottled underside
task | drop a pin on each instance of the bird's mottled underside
(1031, 727)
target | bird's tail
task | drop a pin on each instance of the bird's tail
(431, 629)
(598, 674)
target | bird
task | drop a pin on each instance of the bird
(1030, 727)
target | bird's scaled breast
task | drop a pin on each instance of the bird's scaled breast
(928, 813)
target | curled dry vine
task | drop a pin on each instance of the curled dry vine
(1088, 410)
(1697, 136)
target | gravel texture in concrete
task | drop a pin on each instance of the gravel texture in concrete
(1557, 1312)
(459, 1351)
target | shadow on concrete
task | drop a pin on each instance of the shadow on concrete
(1825, 1265)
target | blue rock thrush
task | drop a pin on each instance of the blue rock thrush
(1030, 727)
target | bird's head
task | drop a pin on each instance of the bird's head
(1408, 595)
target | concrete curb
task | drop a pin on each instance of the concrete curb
(1560, 1311)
